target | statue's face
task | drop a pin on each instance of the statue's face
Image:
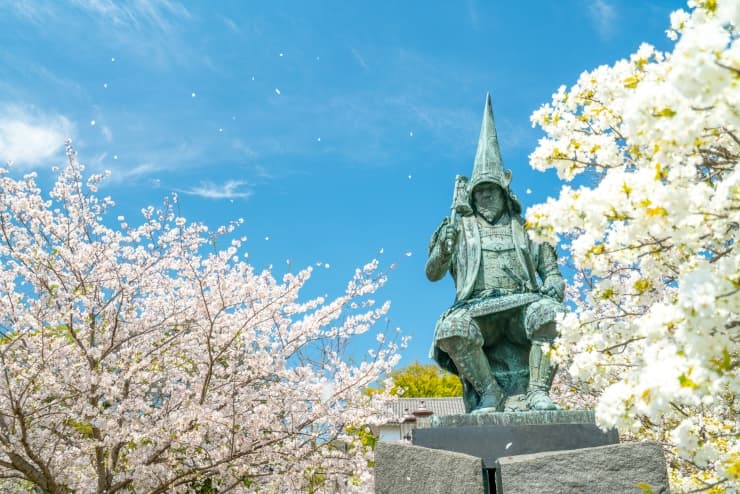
(489, 200)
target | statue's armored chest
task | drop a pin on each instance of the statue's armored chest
(496, 238)
(499, 266)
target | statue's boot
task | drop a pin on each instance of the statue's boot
(541, 373)
(473, 366)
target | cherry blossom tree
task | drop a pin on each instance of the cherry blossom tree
(651, 222)
(146, 359)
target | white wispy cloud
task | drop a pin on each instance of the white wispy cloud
(359, 58)
(136, 172)
(231, 189)
(107, 133)
(140, 163)
(139, 14)
(513, 134)
(29, 136)
(243, 149)
(604, 16)
(17, 67)
(150, 29)
(31, 11)
(122, 170)
(233, 26)
(473, 14)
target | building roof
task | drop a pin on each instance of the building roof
(439, 407)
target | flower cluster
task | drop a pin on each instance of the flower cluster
(650, 220)
(143, 359)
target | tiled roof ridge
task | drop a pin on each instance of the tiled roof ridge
(441, 406)
(425, 398)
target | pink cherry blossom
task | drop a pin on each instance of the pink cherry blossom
(144, 361)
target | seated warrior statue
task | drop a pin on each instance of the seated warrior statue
(503, 314)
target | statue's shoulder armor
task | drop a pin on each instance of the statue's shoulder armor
(520, 221)
(538, 250)
(467, 221)
(519, 231)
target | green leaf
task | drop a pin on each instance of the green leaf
(631, 82)
(665, 112)
(686, 382)
(645, 487)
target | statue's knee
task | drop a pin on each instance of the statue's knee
(454, 345)
(539, 319)
(546, 333)
(458, 324)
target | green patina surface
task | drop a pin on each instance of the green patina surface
(508, 291)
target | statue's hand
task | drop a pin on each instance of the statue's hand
(449, 239)
(550, 291)
(554, 288)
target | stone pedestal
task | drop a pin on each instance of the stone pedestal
(625, 468)
(402, 468)
(495, 435)
(525, 452)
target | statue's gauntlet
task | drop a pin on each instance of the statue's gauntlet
(439, 256)
(555, 285)
(438, 263)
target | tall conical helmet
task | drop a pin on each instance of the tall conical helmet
(488, 166)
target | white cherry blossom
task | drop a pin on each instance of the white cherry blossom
(145, 360)
(650, 222)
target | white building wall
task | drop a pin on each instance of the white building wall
(390, 433)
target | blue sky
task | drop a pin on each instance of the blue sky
(334, 128)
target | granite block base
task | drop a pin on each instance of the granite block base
(623, 468)
(415, 470)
